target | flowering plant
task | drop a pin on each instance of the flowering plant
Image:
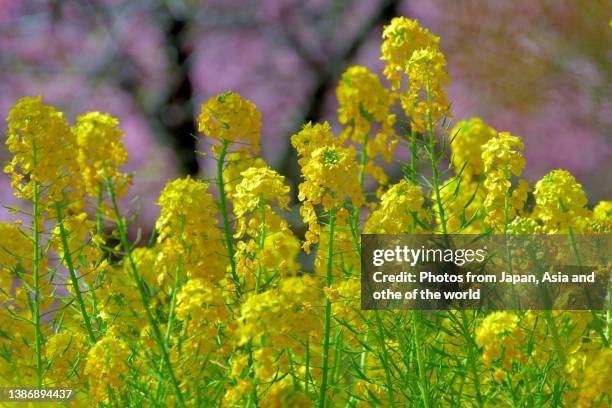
(220, 308)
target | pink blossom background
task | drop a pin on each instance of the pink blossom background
(541, 70)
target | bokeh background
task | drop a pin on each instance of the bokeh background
(539, 69)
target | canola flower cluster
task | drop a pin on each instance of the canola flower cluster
(219, 308)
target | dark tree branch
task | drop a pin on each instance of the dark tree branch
(176, 113)
(172, 117)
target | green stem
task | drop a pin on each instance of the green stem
(170, 315)
(253, 395)
(71, 270)
(472, 357)
(327, 332)
(361, 179)
(413, 155)
(36, 314)
(99, 209)
(385, 358)
(307, 374)
(36, 272)
(261, 243)
(364, 161)
(172, 303)
(423, 386)
(506, 203)
(229, 240)
(356, 241)
(552, 325)
(434, 167)
(143, 296)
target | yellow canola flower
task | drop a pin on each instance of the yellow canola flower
(229, 118)
(601, 221)
(363, 99)
(106, 367)
(101, 152)
(43, 147)
(413, 51)
(285, 317)
(590, 375)
(400, 212)
(502, 158)
(363, 102)
(284, 394)
(468, 138)
(64, 350)
(500, 336)
(280, 253)
(346, 297)
(597, 379)
(186, 208)
(120, 302)
(560, 203)
(503, 151)
(425, 98)
(462, 200)
(17, 260)
(603, 211)
(270, 245)
(345, 260)
(236, 163)
(524, 225)
(80, 237)
(260, 185)
(15, 249)
(311, 137)
(330, 176)
(188, 232)
(401, 38)
(200, 303)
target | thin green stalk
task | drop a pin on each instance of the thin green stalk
(434, 167)
(143, 296)
(608, 319)
(175, 287)
(472, 356)
(307, 374)
(73, 277)
(363, 356)
(423, 386)
(173, 302)
(37, 329)
(385, 357)
(355, 229)
(99, 209)
(413, 155)
(364, 161)
(507, 203)
(253, 395)
(36, 272)
(337, 355)
(361, 179)
(554, 331)
(170, 313)
(327, 332)
(229, 240)
(262, 241)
